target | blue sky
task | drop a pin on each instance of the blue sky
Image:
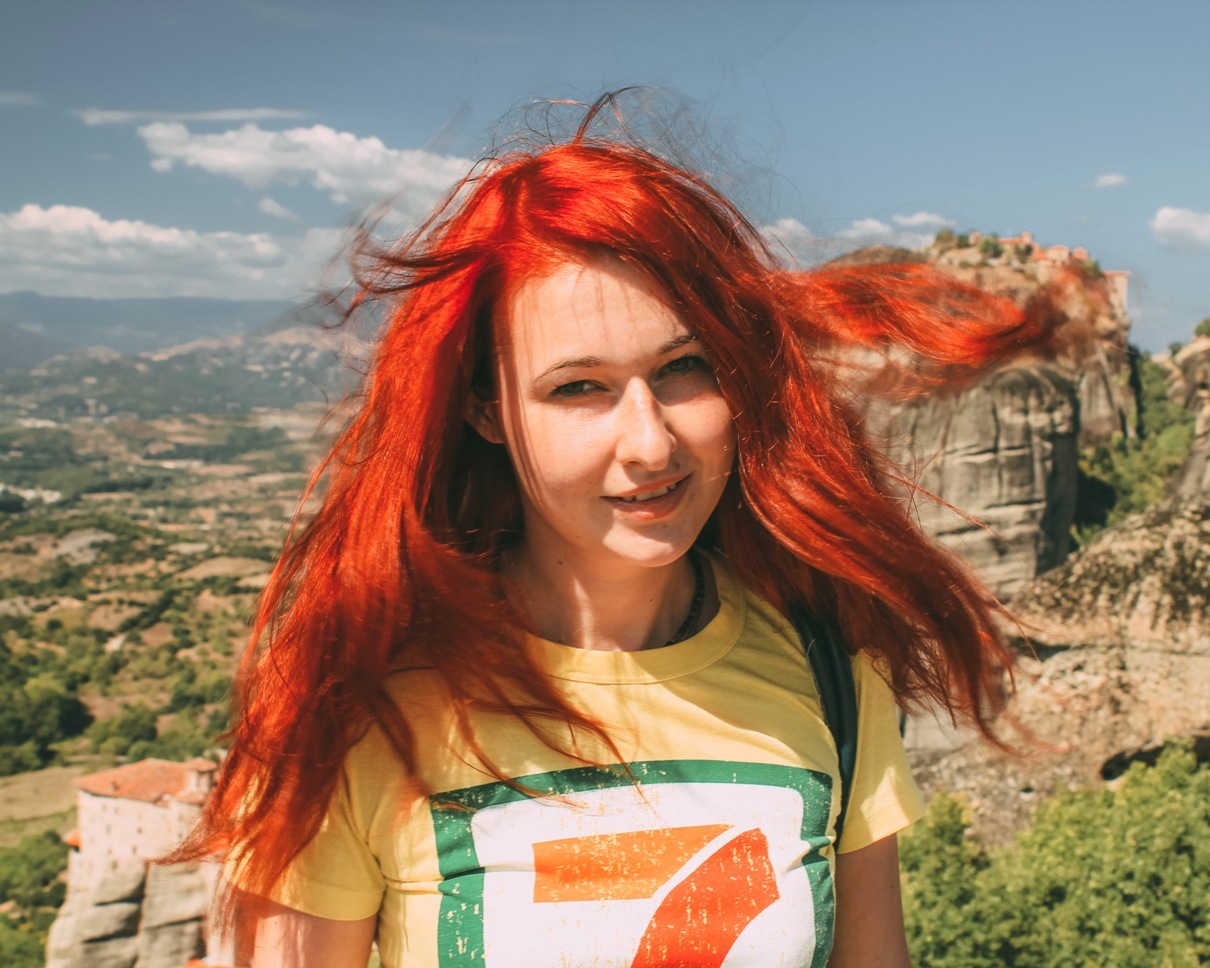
(219, 147)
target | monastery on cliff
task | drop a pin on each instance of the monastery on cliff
(140, 810)
(127, 818)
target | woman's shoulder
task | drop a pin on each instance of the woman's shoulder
(414, 698)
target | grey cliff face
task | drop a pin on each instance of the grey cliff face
(136, 916)
(1006, 453)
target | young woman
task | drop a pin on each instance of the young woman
(523, 690)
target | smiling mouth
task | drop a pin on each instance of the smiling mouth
(652, 495)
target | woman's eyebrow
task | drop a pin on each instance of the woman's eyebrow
(590, 361)
(579, 361)
(679, 341)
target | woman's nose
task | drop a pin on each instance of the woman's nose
(644, 436)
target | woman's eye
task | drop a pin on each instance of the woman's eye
(577, 388)
(687, 364)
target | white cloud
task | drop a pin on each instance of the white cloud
(95, 116)
(787, 231)
(19, 99)
(271, 206)
(789, 237)
(864, 228)
(1181, 228)
(806, 248)
(350, 170)
(71, 251)
(872, 231)
(922, 220)
(1110, 180)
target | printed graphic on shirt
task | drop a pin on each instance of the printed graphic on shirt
(704, 863)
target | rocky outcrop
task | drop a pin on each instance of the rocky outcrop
(1006, 454)
(135, 916)
(1093, 345)
(1189, 385)
(1123, 664)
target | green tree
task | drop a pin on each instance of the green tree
(33, 716)
(1102, 877)
(1202, 328)
(31, 882)
(20, 947)
(990, 247)
(29, 872)
(134, 724)
(1139, 470)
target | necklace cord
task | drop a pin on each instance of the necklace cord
(695, 608)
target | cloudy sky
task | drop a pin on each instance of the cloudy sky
(220, 147)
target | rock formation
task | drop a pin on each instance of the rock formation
(123, 910)
(1189, 385)
(135, 916)
(1006, 453)
(1123, 664)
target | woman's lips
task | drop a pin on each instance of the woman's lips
(651, 507)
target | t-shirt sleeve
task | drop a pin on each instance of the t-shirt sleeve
(884, 798)
(336, 875)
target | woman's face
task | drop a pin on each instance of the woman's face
(620, 438)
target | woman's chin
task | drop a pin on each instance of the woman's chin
(651, 552)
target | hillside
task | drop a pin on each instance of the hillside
(288, 359)
(126, 325)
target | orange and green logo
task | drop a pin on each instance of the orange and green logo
(702, 863)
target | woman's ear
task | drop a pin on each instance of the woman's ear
(484, 417)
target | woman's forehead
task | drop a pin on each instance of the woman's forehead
(601, 303)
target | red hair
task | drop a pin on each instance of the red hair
(395, 570)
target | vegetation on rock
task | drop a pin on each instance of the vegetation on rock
(1131, 474)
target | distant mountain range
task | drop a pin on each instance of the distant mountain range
(34, 328)
(165, 356)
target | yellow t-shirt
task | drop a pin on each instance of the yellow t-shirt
(721, 854)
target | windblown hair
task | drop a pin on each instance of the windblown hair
(396, 569)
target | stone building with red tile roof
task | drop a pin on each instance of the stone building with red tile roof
(137, 811)
(121, 908)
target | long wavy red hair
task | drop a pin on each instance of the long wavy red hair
(395, 569)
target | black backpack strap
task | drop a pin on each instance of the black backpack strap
(832, 668)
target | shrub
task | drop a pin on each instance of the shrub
(30, 880)
(134, 724)
(941, 868)
(1102, 877)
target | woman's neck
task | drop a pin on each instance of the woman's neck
(626, 609)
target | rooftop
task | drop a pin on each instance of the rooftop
(148, 780)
